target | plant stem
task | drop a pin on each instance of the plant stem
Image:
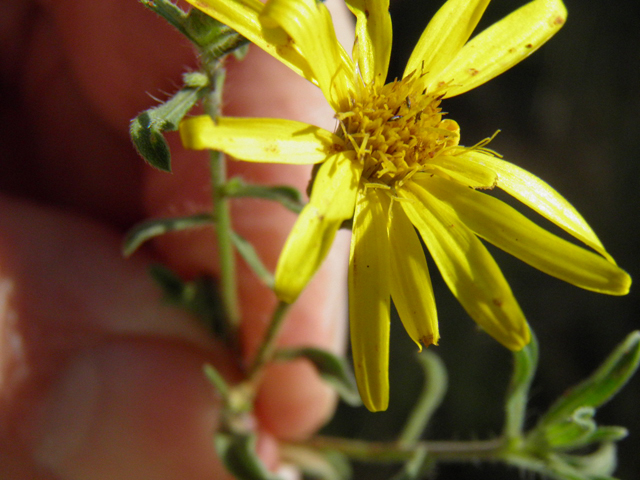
(396, 452)
(268, 344)
(218, 168)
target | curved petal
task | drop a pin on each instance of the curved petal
(265, 140)
(467, 267)
(445, 35)
(503, 226)
(309, 24)
(372, 49)
(332, 202)
(502, 45)
(410, 282)
(471, 174)
(243, 17)
(539, 196)
(369, 300)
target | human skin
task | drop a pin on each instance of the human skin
(98, 378)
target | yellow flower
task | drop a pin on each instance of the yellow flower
(395, 166)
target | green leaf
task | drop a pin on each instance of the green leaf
(249, 254)
(601, 386)
(608, 434)
(289, 197)
(238, 453)
(147, 129)
(332, 368)
(218, 381)
(576, 430)
(199, 297)
(153, 228)
(433, 391)
(524, 369)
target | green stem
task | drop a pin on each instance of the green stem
(221, 211)
(226, 252)
(391, 452)
(268, 344)
(433, 391)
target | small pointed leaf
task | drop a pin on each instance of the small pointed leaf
(574, 431)
(238, 453)
(332, 368)
(153, 228)
(289, 197)
(147, 128)
(199, 297)
(249, 254)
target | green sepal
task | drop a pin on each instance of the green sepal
(159, 226)
(289, 197)
(147, 129)
(524, 369)
(319, 465)
(238, 453)
(417, 467)
(601, 386)
(249, 254)
(433, 392)
(213, 38)
(332, 368)
(199, 297)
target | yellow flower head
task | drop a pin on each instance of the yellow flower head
(394, 165)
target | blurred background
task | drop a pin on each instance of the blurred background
(570, 113)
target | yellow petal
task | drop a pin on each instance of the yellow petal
(369, 300)
(503, 226)
(243, 17)
(372, 48)
(264, 140)
(332, 202)
(504, 44)
(309, 24)
(539, 196)
(411, 289)
(443, 38)
(459, 168)
(467, 267)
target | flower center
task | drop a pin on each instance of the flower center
(396, 130)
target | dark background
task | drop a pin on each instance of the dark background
(570, 113)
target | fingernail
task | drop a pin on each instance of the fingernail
(69, 413)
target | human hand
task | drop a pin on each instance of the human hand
(99, 379)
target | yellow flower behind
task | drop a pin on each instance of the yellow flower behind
(395, 166)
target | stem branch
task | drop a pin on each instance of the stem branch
(268, 344)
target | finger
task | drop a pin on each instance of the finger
(98, 379)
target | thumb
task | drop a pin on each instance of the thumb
(98, 379)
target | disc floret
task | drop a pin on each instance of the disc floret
(396, 131)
